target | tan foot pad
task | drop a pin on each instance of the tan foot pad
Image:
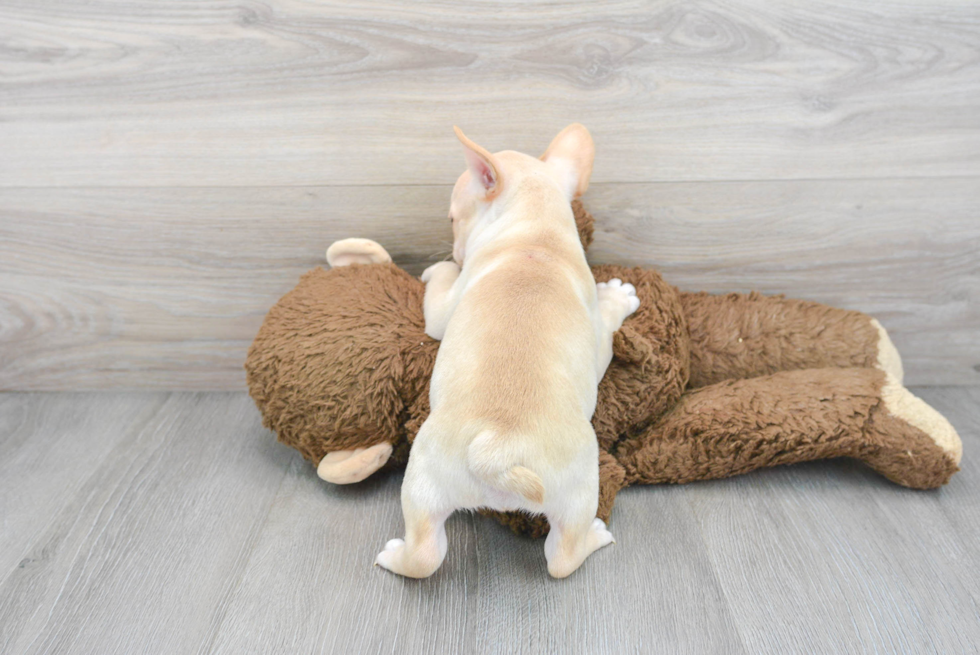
(889, 360)
(916, 412)
(350, 466)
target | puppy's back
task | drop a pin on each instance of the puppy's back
(523, 352)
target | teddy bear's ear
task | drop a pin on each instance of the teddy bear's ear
(356, 251)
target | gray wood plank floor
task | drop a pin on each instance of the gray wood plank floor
(174, 523)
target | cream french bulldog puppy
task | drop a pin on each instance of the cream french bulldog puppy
(526, 336)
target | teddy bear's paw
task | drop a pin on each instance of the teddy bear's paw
(616, 301)
(902, 404)
(888, 359)
(356, 251)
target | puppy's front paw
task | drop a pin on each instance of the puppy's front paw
(616, 301)
(449, 270)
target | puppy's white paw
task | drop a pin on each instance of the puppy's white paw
(616, 301)
(391, 555)
(440, 269)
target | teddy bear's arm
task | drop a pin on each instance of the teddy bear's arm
(738, 336)
(794, 416)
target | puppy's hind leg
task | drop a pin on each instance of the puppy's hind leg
(423, 549)
(575, 532)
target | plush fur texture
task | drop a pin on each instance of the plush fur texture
(700, 386)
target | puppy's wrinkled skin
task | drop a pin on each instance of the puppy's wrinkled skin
(526, 336)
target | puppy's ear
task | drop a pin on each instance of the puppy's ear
(570, 157)
(483, 167)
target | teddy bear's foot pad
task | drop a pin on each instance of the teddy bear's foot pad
(902, 404)
(909, 442)
(888, 359)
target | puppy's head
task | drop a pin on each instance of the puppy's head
(492, 179)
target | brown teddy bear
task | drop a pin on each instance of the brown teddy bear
(700, 386)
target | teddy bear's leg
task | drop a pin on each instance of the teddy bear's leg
(356, 251)
(737, 336)
(795, 416)
(423, 549)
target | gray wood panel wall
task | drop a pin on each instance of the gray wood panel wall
(168, 170)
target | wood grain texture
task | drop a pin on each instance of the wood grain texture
(323, 594)
(326, 597)
(194, 532)
(904, 251)
(894, 572)
(288, 92)
(663, 596)
(142, 556)
(165, 288)
(49, 447)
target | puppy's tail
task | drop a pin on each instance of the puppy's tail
(488, 459)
